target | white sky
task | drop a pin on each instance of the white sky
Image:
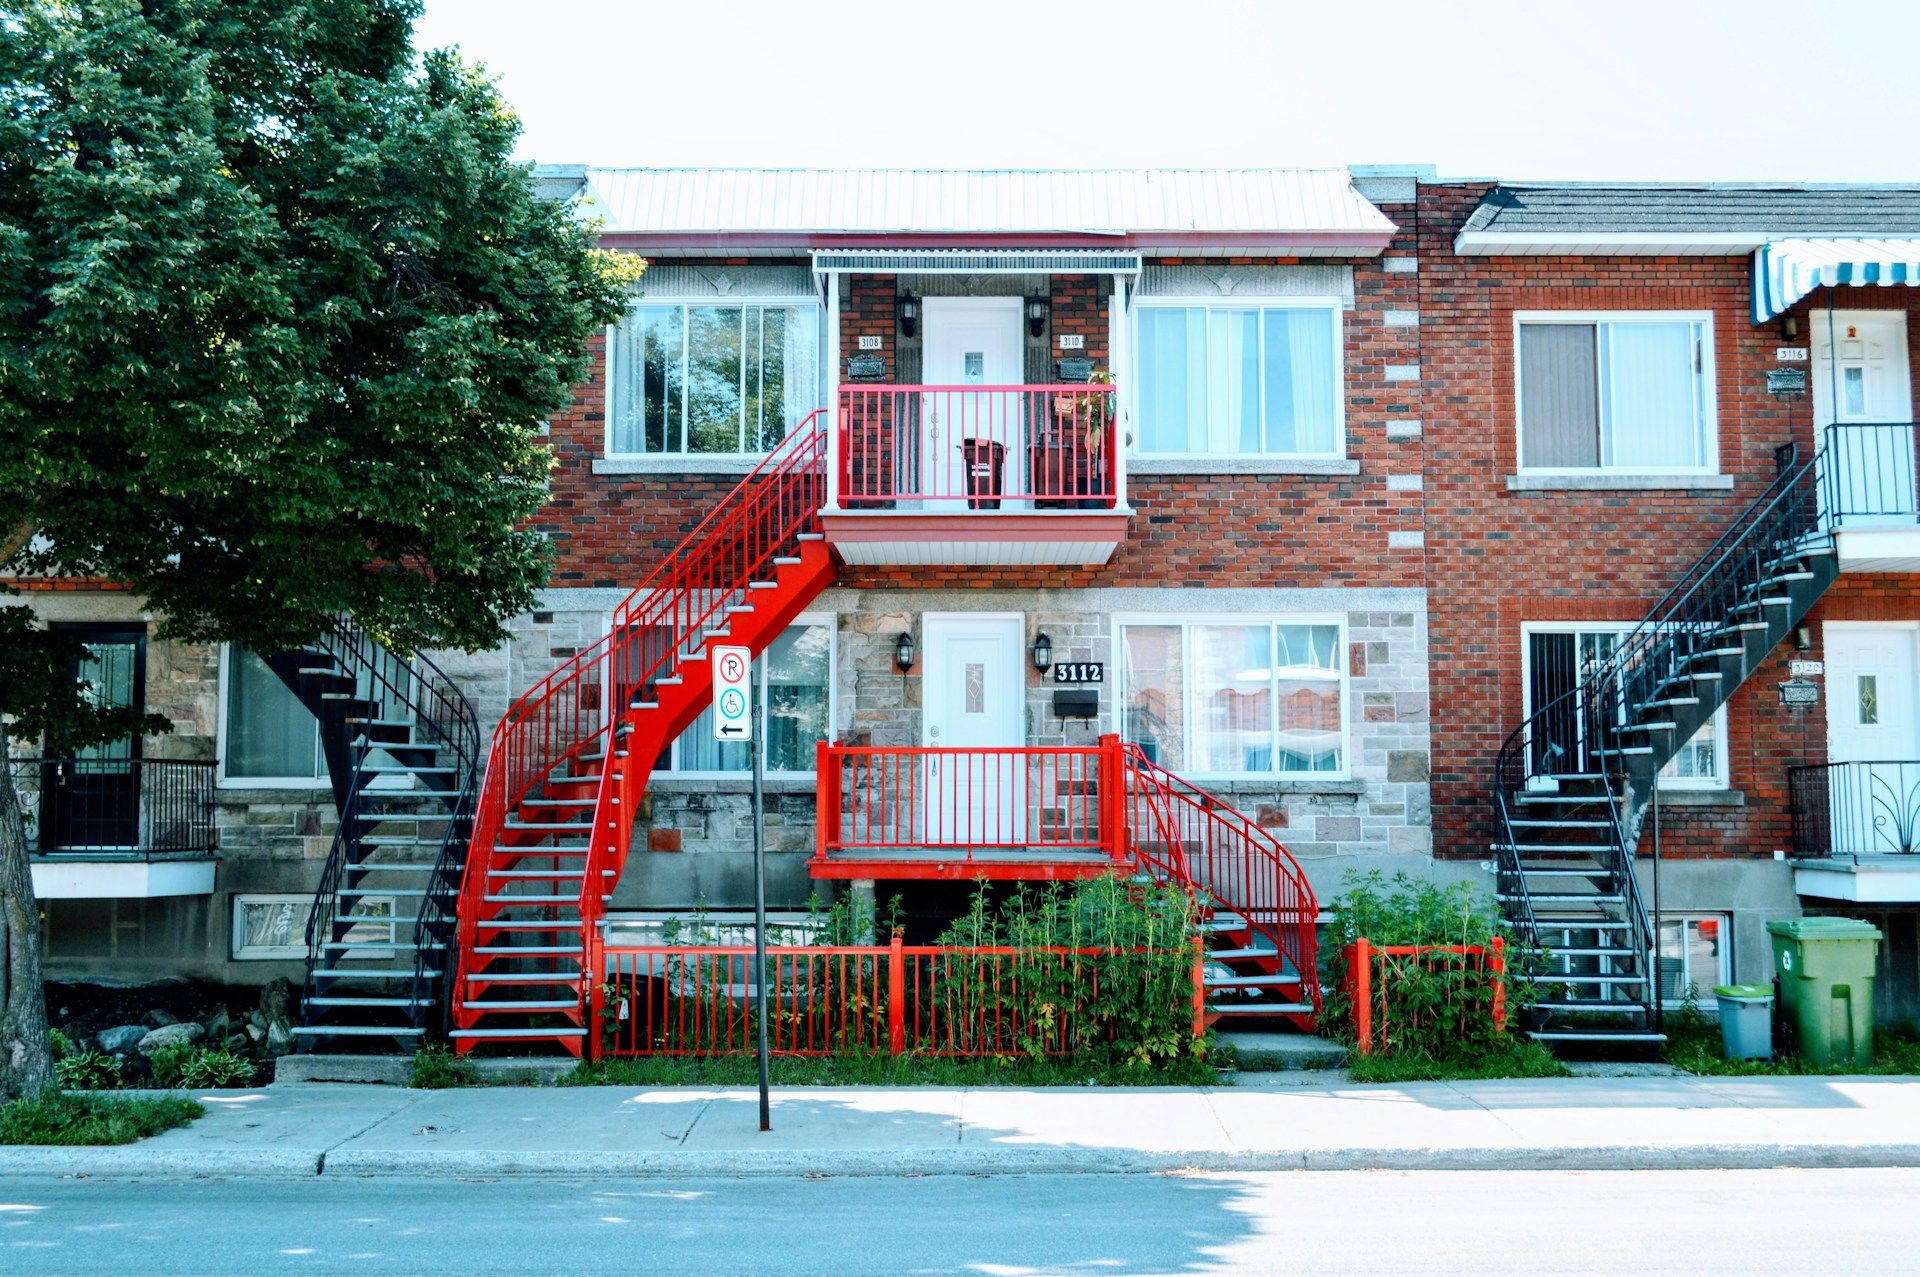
(1813, 90)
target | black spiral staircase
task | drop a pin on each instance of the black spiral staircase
(1574, 783)
(402, 746)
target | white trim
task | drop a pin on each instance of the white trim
(1721, 779)
(1257, 304)
(1575, 242)
(81, 876)
(1702, 991)
(831, 622)
(975, 261)
(1709, 406)
(222, 780)
(1119, 622)
(236, 927)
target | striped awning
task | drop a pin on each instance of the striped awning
(1787, 270)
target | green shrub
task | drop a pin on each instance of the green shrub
(60, 1044)
(169, 1063)
(93, 1119)
(437, 1068)
(87, 1071)
(1434, 1007)
(215, 1068)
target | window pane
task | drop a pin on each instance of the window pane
(713, 379)
(787, 373)
(1173, 381)
(269, 732)
(1559, 396)
(700, 752)
(644, 399)
(1233, 381)
(1233, 698)
(1307, 676)
(1300, 407)
(1652, 396)
(797, 670)
(1153, 697)
(1698, 759)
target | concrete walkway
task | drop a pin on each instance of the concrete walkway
(1267, 1122)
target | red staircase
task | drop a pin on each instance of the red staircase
(569, 761)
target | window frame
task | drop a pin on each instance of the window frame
(222, 779)
(608, 424)
(1708, 399)
(237, 951)
(1720, 782)
(1187, 621)
(1703, 992)
(831, 621)
(1258, 303)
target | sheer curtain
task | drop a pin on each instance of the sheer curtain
(1653, 396)
(1233, 389)
(270, 734)
(1173, 379)
(1301, 410)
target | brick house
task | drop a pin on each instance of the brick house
(1228, 483)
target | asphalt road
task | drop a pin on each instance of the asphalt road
(1644, 1222)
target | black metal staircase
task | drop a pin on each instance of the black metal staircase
(1574, 783)
(402, 748)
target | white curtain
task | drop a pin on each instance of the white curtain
(1653, 396)
(1301, 409)
(270, 734)
(1173, 379)
(1233, 390)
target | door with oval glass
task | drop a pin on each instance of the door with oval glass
(973, 692)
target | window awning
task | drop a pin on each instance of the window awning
(1787, 270)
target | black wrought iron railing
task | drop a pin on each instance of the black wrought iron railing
(142, 806)
(1868, 474)
(1855, 809)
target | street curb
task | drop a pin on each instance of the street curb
(859, 1163)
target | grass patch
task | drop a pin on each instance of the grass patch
(438, 1068)
(1694, 1044)
(1517, 1058)
(887, 1070)
(93, 1119)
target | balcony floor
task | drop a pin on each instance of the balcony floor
(982, 537)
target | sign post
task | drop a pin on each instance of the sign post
(736, 718)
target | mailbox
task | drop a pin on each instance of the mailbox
(1076, 702)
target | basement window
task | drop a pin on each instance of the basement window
(1629, 393)
(1696, 953)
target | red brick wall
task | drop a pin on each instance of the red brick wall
(1496, 559)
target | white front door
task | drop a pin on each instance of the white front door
(971, 341)
(1872, 670)
(973, 693)
(1861, 382)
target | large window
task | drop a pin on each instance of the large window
(270, 738)
(1559, 657)
(796, 705)
(1250, 379)
(703, 378)
(1236, 697)
(1616, 392)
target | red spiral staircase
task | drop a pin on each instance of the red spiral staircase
(570, 760)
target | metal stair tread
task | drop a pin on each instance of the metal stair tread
(549, 1004)
(356, 1031)
(555, 1033)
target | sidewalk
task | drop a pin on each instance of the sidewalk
(1268, 1122)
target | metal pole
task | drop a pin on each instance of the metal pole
(760, 895)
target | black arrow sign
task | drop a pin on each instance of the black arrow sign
(729, 729)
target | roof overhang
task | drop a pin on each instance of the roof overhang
(964, 261)
(1789, 269)
(1142, 243)
(1574, 242)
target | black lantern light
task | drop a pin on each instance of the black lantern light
(903, 652)
(1036, 316)
(1042, 652)
(909, 315)
(1789, 327)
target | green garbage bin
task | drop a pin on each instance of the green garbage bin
(1826, 968)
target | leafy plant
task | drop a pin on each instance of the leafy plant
(169, 1063)
(1434, 1006)
(60, 1044)
(216, 1068)
(438, 1068)
(92, 1119)
(86, 1070)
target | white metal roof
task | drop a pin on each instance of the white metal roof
(840, 202)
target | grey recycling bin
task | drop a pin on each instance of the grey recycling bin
(1746, 1020)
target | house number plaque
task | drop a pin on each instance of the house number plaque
(1079, 672)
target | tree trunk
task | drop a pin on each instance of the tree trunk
(26, 1055)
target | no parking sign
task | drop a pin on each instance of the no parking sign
(732, 720)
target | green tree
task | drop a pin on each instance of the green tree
(280, 323)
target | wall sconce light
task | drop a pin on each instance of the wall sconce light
(1789, 327)
(909, 316)
(1036, 316)
(903, 653)
(1803, 639)
(1042, 652)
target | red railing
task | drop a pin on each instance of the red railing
(977, 447)
(893, 999)
(1371, 970)
(878, 799)
(571, 711)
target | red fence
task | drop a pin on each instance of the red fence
(875, 799)
(893, 999)
(972, 447)
(1370, 972)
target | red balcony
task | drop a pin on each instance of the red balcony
(976, 474)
